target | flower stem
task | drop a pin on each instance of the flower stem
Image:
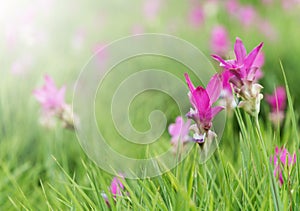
(274, 188)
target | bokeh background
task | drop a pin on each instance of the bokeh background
(58, 37)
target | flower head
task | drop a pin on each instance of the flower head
(244, 76)
(219, 40)
(281, 160)
(202, 101)
(179, 132)
(277, 102)
(49, 96)
(116, 188)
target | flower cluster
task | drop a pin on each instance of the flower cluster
(52, 101)
(283, 161)
(242, 76)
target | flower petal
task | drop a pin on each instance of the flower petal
(216, 110)
(201, 99)
(214, 88)
(189, 83)
(249, 60)
(240, 51)
(222, 61)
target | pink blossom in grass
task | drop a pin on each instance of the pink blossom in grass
(196, 16)
(50, 97)
(116, 188)
(277, 102)
(219, 41)
(202, 101)
(282, 161)
(179, 132)
(244, 76)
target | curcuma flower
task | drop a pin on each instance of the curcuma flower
(282, 161)
(179, 132)
(203, 112)
(52, 101)
(244, 76)
(51, 98)
(116, 188)
(277, 102)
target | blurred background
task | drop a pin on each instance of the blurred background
(59, 37)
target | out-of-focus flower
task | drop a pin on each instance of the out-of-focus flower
(268, 30)
(22, 65)
(203, 112)
(78, 39)
(219, 40)
(232, 7)
(283, 161)
(151, 8)
(50, 97)
(196, 16)
(101, 53)
(179, 132)
(244, 76)
(247, 15)
(277, 102)
(137, 29)
(116, 188)
(52, 101)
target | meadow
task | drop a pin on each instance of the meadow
(254, 161)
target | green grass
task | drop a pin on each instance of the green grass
(46, 169)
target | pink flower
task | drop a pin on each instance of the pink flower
(281, 160)
(243, 66)
(196, 16)
(50, 97)
(244, 76)
(202, 101)
(232, 7)
(179, 132)
(219, 40)
(151, 8)
(116, 188)
(277, 102)
(247, 15)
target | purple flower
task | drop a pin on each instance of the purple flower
(247, 15)
(116, 188)
(281, 160)
(196, 16)
(179, 132)
(202, 100)
(151, 8)
(50, 97)
(277, 102)
(219, 40)
(243, 66)
(53, 104)
(244, 76)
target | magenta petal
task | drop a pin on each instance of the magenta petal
(216, 110)
(240, 51)
(189, 83)
(214, 88)
(222, 61)
(116, 186)
(201, 99)
(249, 60)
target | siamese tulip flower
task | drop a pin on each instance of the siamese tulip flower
(50, 97)
(282, 161)
(116, 188)
(219, 42)
(244, 76)
(277, 102)
(52, 101)
(179, 132)
(203, 111)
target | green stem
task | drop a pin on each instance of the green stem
(274, 188)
